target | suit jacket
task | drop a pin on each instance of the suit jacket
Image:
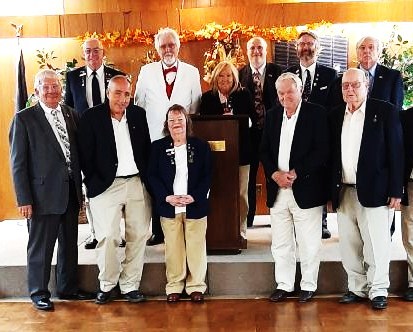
(380, 163)
(39, 169)
(242, 104)
(151, 94)
(406, 117)
(98, 155)
(162, 169)
(323, 78)
(75, 95)
(272, 71)
(309, 154)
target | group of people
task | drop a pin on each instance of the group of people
(325, 142)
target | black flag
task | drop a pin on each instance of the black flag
(21, 88)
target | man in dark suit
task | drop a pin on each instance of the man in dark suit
(366, 186)
(259, 78)
(86, 87)
(294, 151)
(114, 154)
(317, 80)
(407, 199)
(47, 181)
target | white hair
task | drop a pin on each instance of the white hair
(42, 74)
(164, 32)
(289, 76)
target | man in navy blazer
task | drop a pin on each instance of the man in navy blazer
(320, 77)
(268, 73)
(114, 154)
(79, 95)
(294, 151)
(366, 186)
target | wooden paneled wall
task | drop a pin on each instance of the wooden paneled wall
(56, 31)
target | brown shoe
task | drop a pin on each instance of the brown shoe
(173, 297)
(197, 297)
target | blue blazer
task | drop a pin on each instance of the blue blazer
(75, 95)
(309, 154)
(323, 78)
(98, 155)
(380, 164)
(162, 171)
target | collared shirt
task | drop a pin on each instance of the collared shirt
(181, 175)
(170, 77)
(372, 70)
(286, 139)
(304, 73)
(100, 74)
(49, 117)
(261, 71)
(351, 134)
(126, 161)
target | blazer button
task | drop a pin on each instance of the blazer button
(337, 185)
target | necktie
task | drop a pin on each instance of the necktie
(307, 86)
(64, 137)
(258, 101)
(371, 81)
(96, 90)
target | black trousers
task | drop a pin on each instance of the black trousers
(43, 232)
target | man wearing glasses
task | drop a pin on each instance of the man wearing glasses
(162, 84)
(366, 186)
(85, 88)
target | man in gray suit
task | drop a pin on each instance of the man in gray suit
(47, 181)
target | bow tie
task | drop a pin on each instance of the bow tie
(169, 70)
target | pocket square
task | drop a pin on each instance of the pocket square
(323, 87)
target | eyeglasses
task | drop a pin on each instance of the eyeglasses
(53, 87)
(354, 85)
(169, 45)
(93, 51)
(309, 44)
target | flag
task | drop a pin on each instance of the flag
(21, 88)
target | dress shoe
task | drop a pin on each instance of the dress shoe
(122, 243)
(154, 240)
(173, 297)
(305, 296)
(134, 296)
(197, 297)
(91, 244)
(408, 296)
(325, 233)
(103, 297)
(379, 302)
(279, 295)
(80, 295)
(350, 297)
(43, 304)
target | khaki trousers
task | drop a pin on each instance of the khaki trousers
(131, 195)
(244, 172)
(407, 233)
(365, 244)
(185, 253)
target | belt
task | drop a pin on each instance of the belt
(350, 185)
(126, 176)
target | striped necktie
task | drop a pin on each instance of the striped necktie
(307, 86)
(64, 137)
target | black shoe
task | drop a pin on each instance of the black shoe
(103, 297)
(91, 244)
(279, 295)
(250, 221)
(80, 295)
(154, 240)
(408, 296)
(134, 296)
(305, 296)
(43, 304)
(350, 297)
(122, 243)
(379, 302)
(325, 233)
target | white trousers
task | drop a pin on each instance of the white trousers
(365, 245)
(131, 195)
(407, 233)
(295, 233)
(244, 172)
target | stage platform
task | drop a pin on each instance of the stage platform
(249, 274)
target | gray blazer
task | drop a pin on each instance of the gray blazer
(39, 170)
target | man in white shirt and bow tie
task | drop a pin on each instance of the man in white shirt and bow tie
(162, 84)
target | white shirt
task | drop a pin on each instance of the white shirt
(286, 139)
(49, 117)
(126, 162)
(351, 134)
(304, 73)
(100, 74)
(181, 176)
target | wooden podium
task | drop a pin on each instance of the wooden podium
(222, 133)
